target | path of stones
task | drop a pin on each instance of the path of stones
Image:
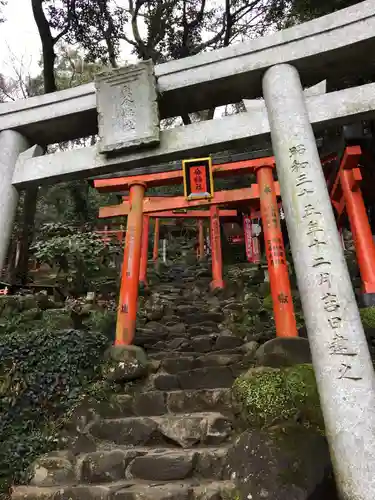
(170, 439)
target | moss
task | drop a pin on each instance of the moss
(368, 317)
(231, 494)
(268, 303)
(267, 396)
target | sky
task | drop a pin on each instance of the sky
(20, 44)
(19, 38)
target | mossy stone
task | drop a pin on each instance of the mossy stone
(268, 396)
(368, 317)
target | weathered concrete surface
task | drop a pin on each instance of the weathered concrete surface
(328, 47)
(341, 359)
(49, 118)
(200, 138)
(127, 108)
(254, 105)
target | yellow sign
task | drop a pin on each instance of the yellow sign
(198, 179)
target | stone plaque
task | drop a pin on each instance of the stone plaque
(127, 108)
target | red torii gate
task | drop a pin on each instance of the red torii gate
(264, 192)
(346, 195)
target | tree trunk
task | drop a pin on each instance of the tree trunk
(31, 194)
(48, 43)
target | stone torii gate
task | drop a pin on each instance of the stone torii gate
(130, 101)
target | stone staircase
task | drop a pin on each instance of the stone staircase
(168, 435)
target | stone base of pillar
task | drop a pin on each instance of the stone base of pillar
(367, 299)
(216, 285)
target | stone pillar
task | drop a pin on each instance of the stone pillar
(342, 363)
(155, 253)
(200, 239)
(12, 144)
(164, 250)
(127, 308)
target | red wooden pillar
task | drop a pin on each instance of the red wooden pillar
(200, 239)
(155, 254)
(216, 255)
(127, 308)
(362, 235)
(144, 251)
(277, 265)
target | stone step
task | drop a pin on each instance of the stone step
(162, 354)
(156, 403)
(111, 464)
(131, 490)
(183, 430)
(183, 363)
(160, 464)
(198, 344)
(211, 377)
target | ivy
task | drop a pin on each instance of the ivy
(42, 375)
(78, 255)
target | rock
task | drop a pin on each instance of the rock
(222, 490)
(163, 466)
(284, 351)
(165, 382)
(265, 396)
(263, 289)
(252, 303)
(149, 403)
(201, 329)
(125, 363)
(214, 359)
(27, 302)
(78, 443)
(154, 312)
(218, 400)
(200, 317)
(32, 314)
(176, 329)
(202, 344)
(206, 378)
(289, 463)
(130, 431)
(185, 430)
(177, 343)
(105, 466)
(218, 429)
(179, 364)
(168, 491)
(52, 469)
(227, 342)
(154, 327)
(250, 348)
(211, 463)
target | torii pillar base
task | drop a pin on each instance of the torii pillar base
(367, 299)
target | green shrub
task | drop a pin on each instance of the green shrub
(79, 256)
(42, 374)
